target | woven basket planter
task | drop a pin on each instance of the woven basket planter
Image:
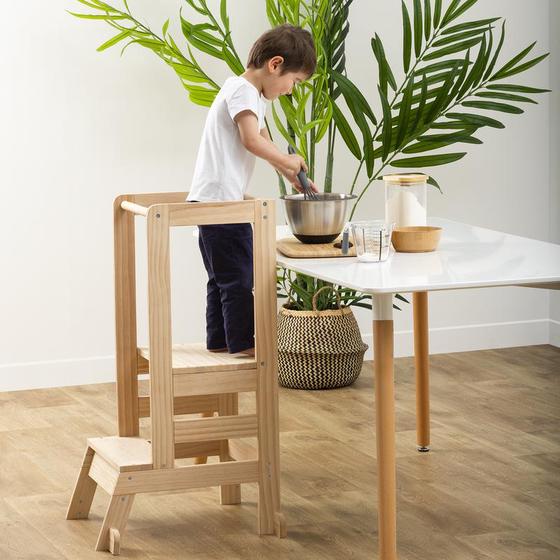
(319, 349)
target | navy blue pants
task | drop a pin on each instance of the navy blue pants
(227, 252)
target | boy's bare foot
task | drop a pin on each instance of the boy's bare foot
(248, 352)
(217, 350)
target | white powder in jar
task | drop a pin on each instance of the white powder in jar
(403, 209)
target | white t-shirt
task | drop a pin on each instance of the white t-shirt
(223, 165)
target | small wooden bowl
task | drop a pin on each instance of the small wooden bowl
(416, 239)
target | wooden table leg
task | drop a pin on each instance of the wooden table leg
(421, 363)
(385, 424)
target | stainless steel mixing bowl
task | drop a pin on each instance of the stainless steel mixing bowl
(316, 221)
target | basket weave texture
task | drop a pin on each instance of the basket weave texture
(319, 349)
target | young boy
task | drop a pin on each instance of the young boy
(233, 135)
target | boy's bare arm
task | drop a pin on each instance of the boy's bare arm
(264, 133)
(261, 145)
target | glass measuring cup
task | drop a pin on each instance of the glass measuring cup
(372, 239)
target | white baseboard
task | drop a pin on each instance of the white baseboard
(57, 373)
(61, 373)
(465, 338)
(555, 333)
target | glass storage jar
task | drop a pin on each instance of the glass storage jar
(405, 199)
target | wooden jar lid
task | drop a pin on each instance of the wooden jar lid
(406, 178)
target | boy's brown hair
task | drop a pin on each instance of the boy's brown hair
(294, 44)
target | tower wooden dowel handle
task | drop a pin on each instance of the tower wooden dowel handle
(134, 208)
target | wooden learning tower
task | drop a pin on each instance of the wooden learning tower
(186, 380)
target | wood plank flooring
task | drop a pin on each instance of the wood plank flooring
(489, 489)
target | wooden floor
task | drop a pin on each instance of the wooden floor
(489, 489)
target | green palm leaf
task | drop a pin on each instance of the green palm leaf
(475, 75)
(455, 125)
(114, 40)
(459, 37)
(281, 128)
(290, 113)
(450, 9)
(387, 125)
(493, 106)
(433, 182)
(459, 82)
(385, 73)
(517, 58)
(506, 96)
(427, 18)
(354, 97)
(442, 99)
(419, 117)
(105, 17)
(492, 64)
(417, 27)
(202, 97)
(346, 132)
(433, 79)
(193, 5)
(419, 147)
(519, 69)
(437, 13)
(188, 72)
(450, 15)
(456, 47)
(404, 114)
(436, 66)
(223, 13)
(428, 161)
(462, 136)
(197, 39)
(359, 108)
(513, 87)
(272, 13)
(479, 120)
(430, 93)
(469, 25)
(232, 61)
(407, 37)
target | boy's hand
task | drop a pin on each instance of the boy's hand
(297, 164)
(294, 164)
(299, 188)
(290, 166)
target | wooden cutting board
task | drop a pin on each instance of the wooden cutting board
(295, 249)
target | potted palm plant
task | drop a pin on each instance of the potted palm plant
(453, 78)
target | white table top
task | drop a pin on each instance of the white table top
(467, 257)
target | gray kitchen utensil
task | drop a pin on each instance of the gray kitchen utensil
(308, 191)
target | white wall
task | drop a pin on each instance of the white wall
(79, 127)
(554, 159)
